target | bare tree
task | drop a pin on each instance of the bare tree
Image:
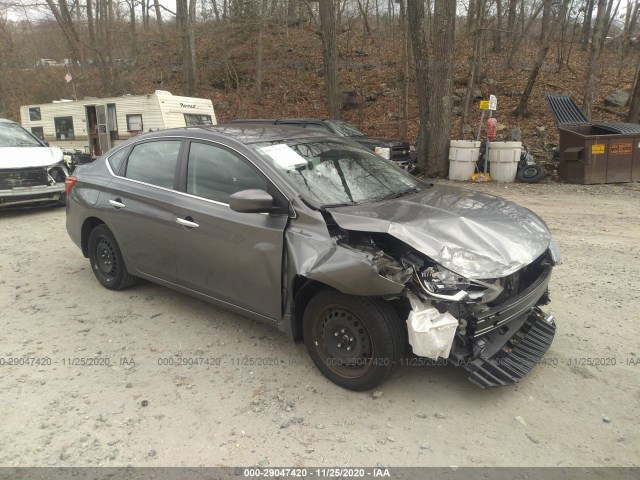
(404, 122)
(418, 32)
(156, 5)
(630, 22)
(260, 47)
(63, 16)
(497, 33)
(185, 19)
(596, 47)
(586, 24)
(330, 56)
(441, 83)
(132, 26)
(511, 18)
(634, 105)
(550, 28)
(474, 69)
(523, 34)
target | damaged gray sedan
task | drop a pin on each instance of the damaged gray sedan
(326, 241)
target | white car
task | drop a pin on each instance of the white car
(30, 170)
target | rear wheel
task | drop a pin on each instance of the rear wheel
(356, 342)
(106, 260)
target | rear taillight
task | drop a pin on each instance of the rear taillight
(69, 183)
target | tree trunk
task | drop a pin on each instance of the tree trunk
(546, 19)
(634, 105)
(609, 18)
(163, 39)
(630, 21)
(475, 64)
(134, 35)
(193, 65)
(497, 33)
(471, 11)
(64, 18)
(260, 47)
(330, 57)
(596, 46)
(511, 18)
(586, 24)
(418, 31)
(550, 31)
(441, 91)
(525, 30)
(404, 126)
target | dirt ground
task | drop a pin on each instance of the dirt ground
(579, 409)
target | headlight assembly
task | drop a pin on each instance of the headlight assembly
(443, 284)
(384, 152)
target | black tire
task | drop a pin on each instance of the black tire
(356, 342)
(530, 173)
(106, 260)
(413, 169)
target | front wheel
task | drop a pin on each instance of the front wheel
(356, 342)
(106, 260)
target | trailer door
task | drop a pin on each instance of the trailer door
(104, 137)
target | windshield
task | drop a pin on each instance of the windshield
(13, 135)
(345, 129)
(333, 173)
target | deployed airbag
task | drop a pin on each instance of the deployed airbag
(431, 333)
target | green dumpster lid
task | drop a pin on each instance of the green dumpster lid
(565, 110)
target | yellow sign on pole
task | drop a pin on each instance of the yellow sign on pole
(484, 104)
(597, 149)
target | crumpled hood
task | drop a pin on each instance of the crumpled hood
(25, 157)
(471, 233)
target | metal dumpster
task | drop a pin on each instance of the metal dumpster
(594, 153)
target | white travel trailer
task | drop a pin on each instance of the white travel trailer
(97, 124)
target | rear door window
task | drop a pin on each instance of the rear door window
(154, 162)
(116, 160)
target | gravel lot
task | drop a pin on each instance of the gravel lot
(580, 409)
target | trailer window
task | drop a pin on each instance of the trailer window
(38, 132)
(191, 119)
(34, 114)
(134, 123)
(64, 128)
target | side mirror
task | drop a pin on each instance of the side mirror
(251, 201)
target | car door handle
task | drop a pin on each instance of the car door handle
(187, 222)
(116, 203)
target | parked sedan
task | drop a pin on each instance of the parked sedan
(326, 241)
(30, 171)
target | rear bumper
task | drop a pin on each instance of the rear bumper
(504, 357)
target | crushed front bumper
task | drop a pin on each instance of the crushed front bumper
(35, 194)
(505, 356)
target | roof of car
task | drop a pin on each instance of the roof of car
(4, 120)
(247, 133)
(285, 119)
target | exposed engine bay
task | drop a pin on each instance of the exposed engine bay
(439, 300)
